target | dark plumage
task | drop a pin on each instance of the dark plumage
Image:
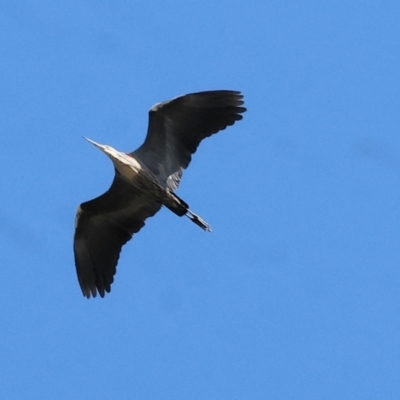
(145, 180)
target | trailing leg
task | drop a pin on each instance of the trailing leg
(181, 208)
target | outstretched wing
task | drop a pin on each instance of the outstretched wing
(102, 227)
(177, 127)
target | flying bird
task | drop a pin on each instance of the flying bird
(145, 180)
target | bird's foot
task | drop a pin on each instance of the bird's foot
(198, 221)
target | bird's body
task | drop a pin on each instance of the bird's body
(145, 180)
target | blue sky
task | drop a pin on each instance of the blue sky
(295, 293)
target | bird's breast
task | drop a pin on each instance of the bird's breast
(127, 166)
(138, 175)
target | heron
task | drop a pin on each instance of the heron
(145, 180)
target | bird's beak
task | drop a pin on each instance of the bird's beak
(98, 145)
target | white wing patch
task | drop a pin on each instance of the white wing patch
(78, 214)
(157, 106)
(174, 179)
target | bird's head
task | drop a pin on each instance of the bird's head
(108, 150)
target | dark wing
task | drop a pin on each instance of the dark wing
(177, 127)
(102, 227)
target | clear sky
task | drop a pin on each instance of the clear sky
(295, 294)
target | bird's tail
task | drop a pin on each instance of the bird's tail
(181, 208)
